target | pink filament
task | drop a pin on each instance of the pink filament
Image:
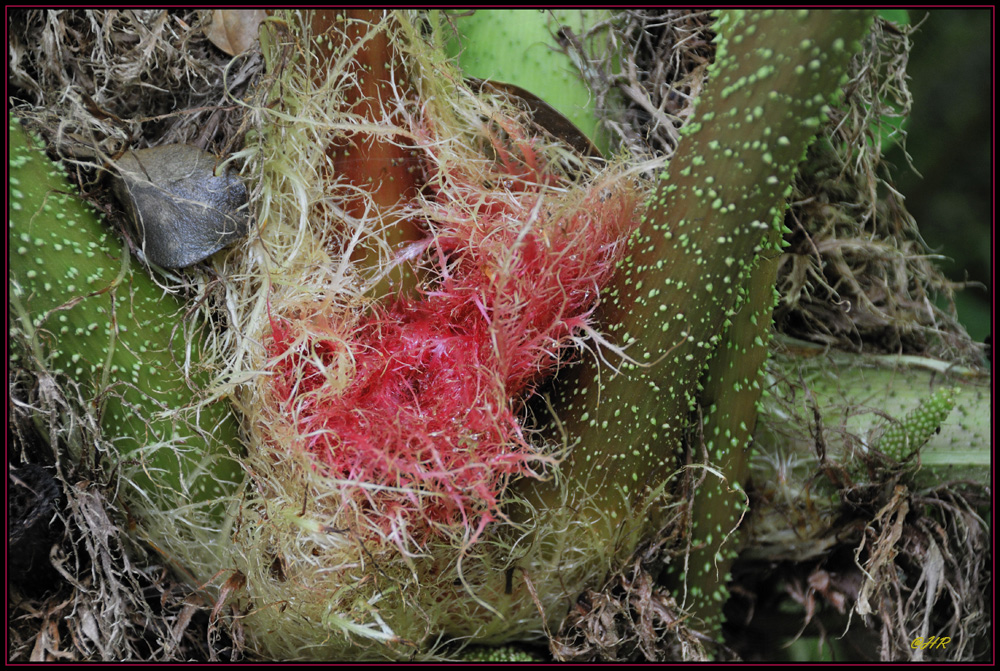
(432, 410)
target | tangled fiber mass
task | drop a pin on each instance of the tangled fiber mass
(424, 397)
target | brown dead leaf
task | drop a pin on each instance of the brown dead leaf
(233, 584)
(885, 531)
(235, 30)
(823, 582)
(47, 645)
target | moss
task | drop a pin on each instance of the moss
(504, 653)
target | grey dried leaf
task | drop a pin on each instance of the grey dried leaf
(181, 210)
(89, 628)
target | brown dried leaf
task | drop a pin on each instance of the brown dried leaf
(47, 645)
(235, 30)
(544, 115)
(234, 583)
(190, 607)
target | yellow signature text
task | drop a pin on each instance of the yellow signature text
(930, 643)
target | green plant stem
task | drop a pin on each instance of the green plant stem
(709, 221)
(729, 398)
(90, 315)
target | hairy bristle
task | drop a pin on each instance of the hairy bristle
(423, 398)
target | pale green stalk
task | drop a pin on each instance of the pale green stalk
(92, 315)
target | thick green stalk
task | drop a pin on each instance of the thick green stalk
(729, 398)
(709, 222)
(90, 315)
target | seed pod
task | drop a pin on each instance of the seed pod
(181, 210)
(902, 438)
